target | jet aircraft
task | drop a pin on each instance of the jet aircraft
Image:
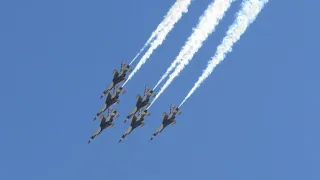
(168, 119)
(118, 77)
(136, 121)
(106, 122)
(110, 100)
(141, 102)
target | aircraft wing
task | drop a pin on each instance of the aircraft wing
(165, 116)
(108, 97)
(115, 73)
(138, 98)
(133, 119)
(103, 119)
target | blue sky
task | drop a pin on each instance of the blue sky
(254, 118)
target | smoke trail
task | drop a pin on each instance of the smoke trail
(174, 8)
(193, 40)
(247, 15)
(181, 7)
(211, 17)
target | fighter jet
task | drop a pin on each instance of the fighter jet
(106, 122)
(168, 119)
(117, 77)
(110, 100)
(141, 102)
(136, 121)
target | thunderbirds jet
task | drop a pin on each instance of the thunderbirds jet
(117, 77)
(136, 121)
(141, 102)
(110, 100)
(168, 119)
(106, 122)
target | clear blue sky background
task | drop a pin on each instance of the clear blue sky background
(256, 116)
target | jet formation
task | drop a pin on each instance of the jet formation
(138, 113)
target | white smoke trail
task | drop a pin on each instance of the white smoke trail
(215, 7)
(248, 13)
(181, 7)
(174, 9)
(211, 17)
